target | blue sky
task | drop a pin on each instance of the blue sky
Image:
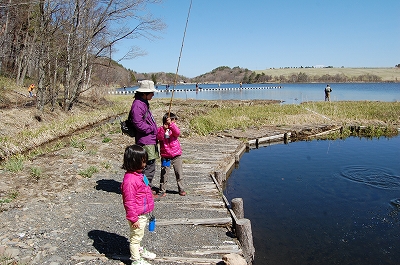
(261, 34)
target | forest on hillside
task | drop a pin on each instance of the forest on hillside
(225, 74)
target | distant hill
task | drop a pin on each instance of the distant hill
(225, 74)
(390, 74)
(118, 76)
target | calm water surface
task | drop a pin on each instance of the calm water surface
(288, 93)
(322, 202)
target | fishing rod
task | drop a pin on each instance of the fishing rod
(179, 59)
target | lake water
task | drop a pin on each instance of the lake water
(287, 93)
(322, 201)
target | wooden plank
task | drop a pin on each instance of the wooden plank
(205, 186)
(232, 245)
(219, 210)
(185, 221)
(214, 251)
(326, 132)
(188, 260)
(205, 203)
(266, 139)
(205, 191)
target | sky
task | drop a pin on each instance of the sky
(263, 34)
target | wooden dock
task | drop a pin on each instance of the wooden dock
(197, 228)
(204, 215)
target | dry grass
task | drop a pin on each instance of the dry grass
(386, 114)
(387, 74)
(21, 129)
(25, 128)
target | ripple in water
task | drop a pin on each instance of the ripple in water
(395, 202)
(377, 177)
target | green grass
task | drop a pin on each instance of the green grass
(77, 142)
(10, 197)
(106, 165)
(106, 140)
(88, 172)
(36, 173)
(15, 163)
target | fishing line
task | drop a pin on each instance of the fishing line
(179, 60)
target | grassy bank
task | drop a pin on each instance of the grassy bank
(386, 74)
(23, 132)
(375, 114)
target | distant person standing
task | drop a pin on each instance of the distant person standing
(328, 91)
(30, 90)
(241, 84)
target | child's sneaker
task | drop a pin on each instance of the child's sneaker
(144, 253)
(182, 193)
(140, 262)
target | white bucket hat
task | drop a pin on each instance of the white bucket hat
(146, 86)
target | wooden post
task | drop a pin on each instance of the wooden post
(285, 138)
(245, 237)
(247, 147)
(237, 207)
(220, 177)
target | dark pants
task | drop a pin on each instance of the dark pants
(176, 162)
(150, 171)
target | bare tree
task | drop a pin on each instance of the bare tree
(59, 42)
(92, 31)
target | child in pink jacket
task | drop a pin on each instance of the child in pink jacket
(170, 151)
(138, 201)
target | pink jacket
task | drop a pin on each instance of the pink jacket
(136, 195)
(169, 147)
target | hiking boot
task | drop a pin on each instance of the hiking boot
(140, 262)
(144, 253)
(182, 193)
